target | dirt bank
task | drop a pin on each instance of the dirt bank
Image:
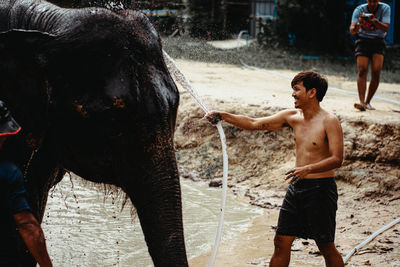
(367, 181)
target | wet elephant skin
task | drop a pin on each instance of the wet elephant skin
(94, 96)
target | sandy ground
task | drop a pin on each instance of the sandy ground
(241, 89)
(272, 88)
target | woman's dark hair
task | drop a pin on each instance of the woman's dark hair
(311, 80)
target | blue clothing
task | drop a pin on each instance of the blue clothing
(368, 30)
(12, 200)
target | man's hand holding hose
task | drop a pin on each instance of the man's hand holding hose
(214, 117)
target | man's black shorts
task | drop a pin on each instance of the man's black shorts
(367, 47)
(309, 210)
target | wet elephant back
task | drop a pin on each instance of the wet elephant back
(42, 16)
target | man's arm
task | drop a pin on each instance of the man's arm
(356, 21)
(273, 122)
(355, 27)
(380, 25)
(384, 24)
(335, 142)
(32, 234)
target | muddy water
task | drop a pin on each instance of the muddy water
(83, 229)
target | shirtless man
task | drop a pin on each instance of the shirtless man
(310, 204)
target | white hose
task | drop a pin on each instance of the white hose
(370, 238)
(223, 198)
(181, 79)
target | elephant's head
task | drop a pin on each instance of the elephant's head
(94, 96)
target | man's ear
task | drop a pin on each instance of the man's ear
(312, 93)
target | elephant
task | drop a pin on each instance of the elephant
(93, 95)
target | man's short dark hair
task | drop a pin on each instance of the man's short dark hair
(311, 80)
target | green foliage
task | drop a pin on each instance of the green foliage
(319, 26)
(206, 19)
(166, 25)
(157, 4)
(113, 5)
(269, 34)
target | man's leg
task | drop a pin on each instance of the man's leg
(281, 256)
(362, 65)
(376, 67)
(331, 255)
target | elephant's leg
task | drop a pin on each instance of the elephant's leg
(156, 195)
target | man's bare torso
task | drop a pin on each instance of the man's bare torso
(311, 140)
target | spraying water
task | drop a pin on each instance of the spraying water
(182, 80)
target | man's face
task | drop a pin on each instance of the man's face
(372, 5)
(299, 94)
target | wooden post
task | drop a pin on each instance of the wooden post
(224, 10)
(212, 11)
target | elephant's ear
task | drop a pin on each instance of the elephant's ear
(22, 79)
(28, 41)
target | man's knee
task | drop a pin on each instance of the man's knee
(283, 242)
(327, 248)
(331, 254)
(375, 74)
(278, 241)
(362, 71)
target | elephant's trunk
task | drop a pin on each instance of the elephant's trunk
(156, 194)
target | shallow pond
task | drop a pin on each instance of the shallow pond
(84, 224)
